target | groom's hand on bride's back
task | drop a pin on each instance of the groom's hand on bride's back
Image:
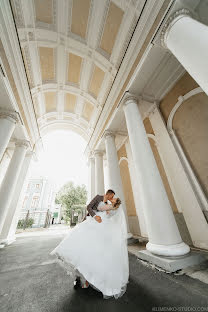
(98, 219)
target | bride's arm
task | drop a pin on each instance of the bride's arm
(105, 207)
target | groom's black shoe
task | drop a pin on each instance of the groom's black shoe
(77, 283)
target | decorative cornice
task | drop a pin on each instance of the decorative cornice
(9, 115)
(22, 143)
(170, 22)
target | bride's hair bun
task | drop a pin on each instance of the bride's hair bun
(117, 203)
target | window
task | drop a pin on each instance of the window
(24, 201)
(28, 187)
(35, 201)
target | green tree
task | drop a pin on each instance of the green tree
(70, 195)
(27, 223)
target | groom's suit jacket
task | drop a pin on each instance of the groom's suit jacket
(92, 206)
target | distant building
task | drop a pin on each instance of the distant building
(56, 213)
(39, 202)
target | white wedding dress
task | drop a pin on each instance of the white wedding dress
(99, 252)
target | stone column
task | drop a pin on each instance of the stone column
(185, 196)
(99, 175)
(163, 233)
(10, 180)
(136, 192)
(8, 121)
(4, 163)
(186, 38)
(92, 177)
(114, 176)
(7, 235)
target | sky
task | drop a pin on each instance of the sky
(62, 159)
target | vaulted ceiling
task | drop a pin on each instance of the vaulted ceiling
(72, 50)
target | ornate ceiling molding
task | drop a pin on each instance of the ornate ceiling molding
(147, 21)
(64, 125)
(66, 88)
(58, 36)
(53, 40)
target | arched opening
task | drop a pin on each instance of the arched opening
(62, 155)
(64, 125)
(60, 164)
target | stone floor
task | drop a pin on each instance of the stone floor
(199, 271)
(31, 281)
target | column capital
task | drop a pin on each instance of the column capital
(9, 115)
(98, 153)
(108, 133)
(91, 156)
(129, 98)
(30, 154)
(90, 160)
(22, 143)
(171, 21)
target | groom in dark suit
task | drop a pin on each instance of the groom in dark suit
(92, 208)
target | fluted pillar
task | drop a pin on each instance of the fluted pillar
(114, 175)
(91, 177)
(8, 121)
(10, 180)
(7, 235)
(163, 233)
(186, 38)
(99, 175)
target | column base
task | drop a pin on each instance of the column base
(7, 241)
(129, 235)
(171, 264)
(168, 250)
(131, 239)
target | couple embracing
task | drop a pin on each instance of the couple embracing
(95, 250)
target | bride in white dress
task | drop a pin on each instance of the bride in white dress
(99, 250)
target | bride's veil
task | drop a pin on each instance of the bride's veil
(118, 220)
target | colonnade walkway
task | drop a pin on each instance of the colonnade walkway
(31, 281)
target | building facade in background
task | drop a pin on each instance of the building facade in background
(39, 202)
